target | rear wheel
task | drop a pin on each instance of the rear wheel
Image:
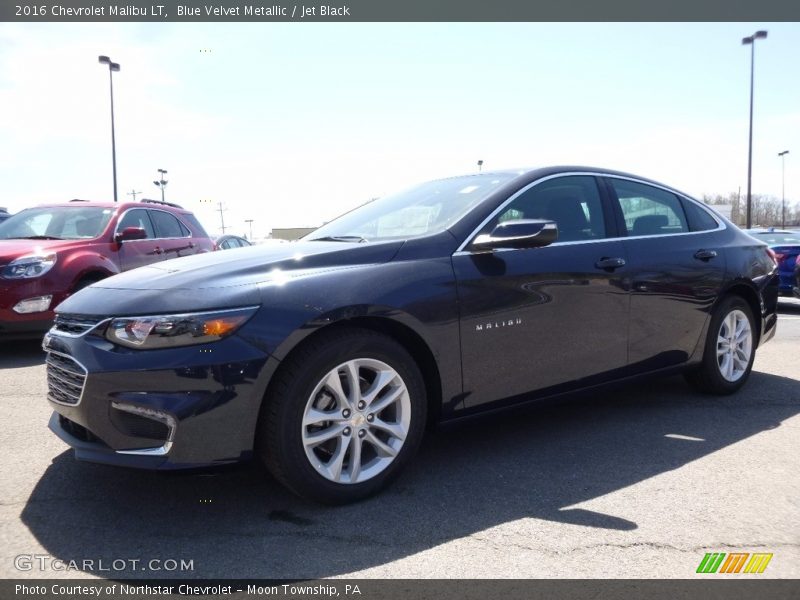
(729, 350)
(344, 416)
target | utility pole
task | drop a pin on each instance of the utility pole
(133, 193)
(782, 156)
(222, 217)
(250, 222)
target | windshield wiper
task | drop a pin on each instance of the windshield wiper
(35, 237)
(341, 238)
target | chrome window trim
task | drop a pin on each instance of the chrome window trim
(85, 377)
(468, 240)
(127, 210)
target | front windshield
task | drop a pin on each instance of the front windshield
(422, 210)
(56, 223)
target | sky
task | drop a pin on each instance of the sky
(292, 124)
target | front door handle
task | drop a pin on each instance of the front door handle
(158, 250)
(610, 263)
(705, 254)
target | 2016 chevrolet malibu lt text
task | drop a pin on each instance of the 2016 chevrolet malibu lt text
(327, 357)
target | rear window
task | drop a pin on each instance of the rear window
(774, 238)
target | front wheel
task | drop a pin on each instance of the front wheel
(345, 414)
(729, 351)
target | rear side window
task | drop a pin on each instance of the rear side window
(699, 219)
(192, 220)
(649, 210)
(167, 226)
(137, 217)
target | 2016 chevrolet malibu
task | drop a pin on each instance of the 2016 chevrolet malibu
(327, 357)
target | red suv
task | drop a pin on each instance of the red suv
(49, 252)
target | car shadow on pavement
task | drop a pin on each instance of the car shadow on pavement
(21, 353)
(532, 463)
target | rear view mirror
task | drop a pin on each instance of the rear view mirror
(131, 233)
(520, 233)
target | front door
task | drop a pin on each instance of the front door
(536, 318)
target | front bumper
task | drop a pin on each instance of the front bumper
(165, 409)
(27, 325)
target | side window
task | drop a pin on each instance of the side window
(699, 219)
(185, 230)
(167, 226)
(573, 202)
(648, 210)
(137, 218)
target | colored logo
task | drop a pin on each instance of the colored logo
(735, 562)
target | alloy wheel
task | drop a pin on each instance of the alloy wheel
(356, 421)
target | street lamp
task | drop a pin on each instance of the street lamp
(162, 183)
(783, 187)
(751, 40)
(112, 66)
(480, 165)
(250, 222)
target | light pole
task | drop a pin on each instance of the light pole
(161, 183)
(783, 187)
(751, 41)
(250, 222)
(112, 66)
(480, 165)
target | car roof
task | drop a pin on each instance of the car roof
(102, 204)
(534, 173)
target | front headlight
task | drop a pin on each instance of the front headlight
(30, 266)
(169, 331)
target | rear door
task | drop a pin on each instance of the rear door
(174, 238)
(676, 267)
(539, 317)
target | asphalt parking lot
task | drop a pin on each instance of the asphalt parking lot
(640, 482)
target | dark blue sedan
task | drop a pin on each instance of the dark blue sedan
(786, 246)
(327, 358)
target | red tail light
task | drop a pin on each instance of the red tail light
(773, 256)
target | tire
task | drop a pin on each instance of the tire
(316, 438)
(725, 367)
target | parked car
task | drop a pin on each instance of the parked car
(49, 252)
(786, 246)
(796, 288)
(327, 357)
(4, 214)
(229, 242)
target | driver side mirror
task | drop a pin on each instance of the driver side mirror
(519, 233)
(130, 233)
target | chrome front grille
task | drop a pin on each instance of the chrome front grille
(74, 325)
(65, 378)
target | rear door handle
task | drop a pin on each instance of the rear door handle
(158, 250)
(610, 263)
(705, 254)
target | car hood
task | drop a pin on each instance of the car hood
(219, 279)
(12, 249)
